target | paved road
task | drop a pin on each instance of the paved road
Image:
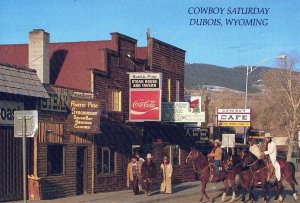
(182, 193)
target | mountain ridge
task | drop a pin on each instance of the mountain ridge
(199, 74)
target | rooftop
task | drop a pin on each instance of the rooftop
(20, 81)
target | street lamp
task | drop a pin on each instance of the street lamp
(250, 69)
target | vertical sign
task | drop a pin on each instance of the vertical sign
(195, 104)
(144, 97)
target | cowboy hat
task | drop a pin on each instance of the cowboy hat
(268, 135)
(165, 158)
(252, 140)
(133, 157)
(149, 156)
(217, 141)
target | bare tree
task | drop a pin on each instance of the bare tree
(281, 90)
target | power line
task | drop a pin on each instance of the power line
(43, 55)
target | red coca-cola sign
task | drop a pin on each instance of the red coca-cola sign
(145, 105)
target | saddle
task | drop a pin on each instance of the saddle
(282, 164)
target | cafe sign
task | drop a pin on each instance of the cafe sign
(234, 117)
(84, 115)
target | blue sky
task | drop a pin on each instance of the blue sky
(168, 20)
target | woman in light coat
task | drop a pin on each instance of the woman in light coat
(167, 170)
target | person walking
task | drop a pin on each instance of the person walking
(272, 152)
(216, 154)
(148, 173)
(133, 174)
(167, 170)
(141, 161)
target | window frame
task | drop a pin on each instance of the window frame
(177, 90)
(110, 152)
(171, 151)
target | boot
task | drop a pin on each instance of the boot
(215, 178)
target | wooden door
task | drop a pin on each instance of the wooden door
(81, 170)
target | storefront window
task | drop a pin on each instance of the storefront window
(105, 168)
(106, 161)
(55, 160)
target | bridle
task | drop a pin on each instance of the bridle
(226, 164)
(192, 158)
(249, 165)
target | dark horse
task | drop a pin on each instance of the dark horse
(245, 177)
(259, 172)
(201, 166)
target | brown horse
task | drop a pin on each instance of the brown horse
(259, 172)
(245, 177)
(201, 167)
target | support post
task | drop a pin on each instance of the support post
(246, 101)
(24, 159)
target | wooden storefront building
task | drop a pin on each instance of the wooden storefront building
(70, 163)
(20, 89)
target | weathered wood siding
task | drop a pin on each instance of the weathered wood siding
(11, 165)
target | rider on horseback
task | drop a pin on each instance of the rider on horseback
(272, 152)
(254, 149)
(216, 154)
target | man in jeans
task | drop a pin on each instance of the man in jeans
(133, 174)
(216, 154)
(148, 173)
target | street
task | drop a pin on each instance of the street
(185, 192)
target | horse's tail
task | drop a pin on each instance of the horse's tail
(293, 172)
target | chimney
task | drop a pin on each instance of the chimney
(39, 54)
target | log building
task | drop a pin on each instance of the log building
(67, 163)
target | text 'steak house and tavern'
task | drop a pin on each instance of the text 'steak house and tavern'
(74, 155)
